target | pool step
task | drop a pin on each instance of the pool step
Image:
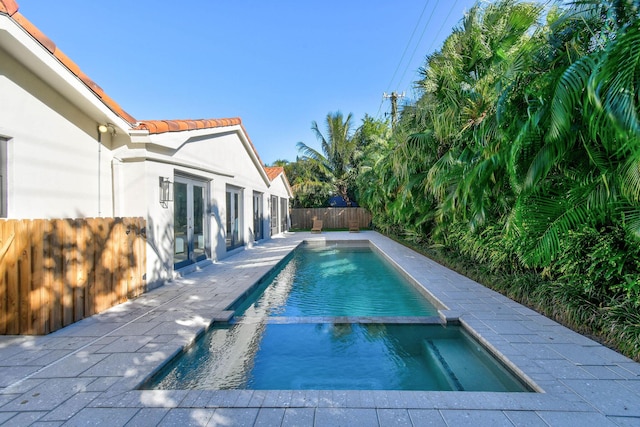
(419, 320)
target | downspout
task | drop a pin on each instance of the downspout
(101, 129)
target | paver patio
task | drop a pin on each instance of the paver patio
(87, 373)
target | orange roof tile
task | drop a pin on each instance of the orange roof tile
(8, 6)
(273, 171)
(162, 126)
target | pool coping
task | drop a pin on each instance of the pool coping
(88, 372)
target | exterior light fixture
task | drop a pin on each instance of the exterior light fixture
(106, 127)
(166, 195)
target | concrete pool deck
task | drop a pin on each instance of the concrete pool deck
(87, 373)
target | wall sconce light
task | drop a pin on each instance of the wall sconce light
(107, 127)
(166, 195)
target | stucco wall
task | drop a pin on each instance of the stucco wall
(52, 150)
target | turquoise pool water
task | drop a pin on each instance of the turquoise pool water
(336, 280)
(338, 356)
(337, 317)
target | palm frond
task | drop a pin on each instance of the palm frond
(615, 88)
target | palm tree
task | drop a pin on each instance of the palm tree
(335, 162)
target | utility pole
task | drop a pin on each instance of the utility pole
(394, 106)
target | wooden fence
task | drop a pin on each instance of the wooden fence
(56, 272)
(331, 217)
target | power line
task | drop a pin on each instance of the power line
(426, 25)
(408, 44)
(433, 40)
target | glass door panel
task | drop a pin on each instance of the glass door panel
(257, 217)
(234, 231)
(274, 215)
(180, 223)
(190, 227)
(198, 223)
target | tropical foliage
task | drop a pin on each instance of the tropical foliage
(522, 155)
(319, 174)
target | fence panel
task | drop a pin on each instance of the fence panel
(56, 272)
(332, 218)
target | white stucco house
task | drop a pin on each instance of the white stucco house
(67, 150)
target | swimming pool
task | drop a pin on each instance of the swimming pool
(336, 317)
(336, 279)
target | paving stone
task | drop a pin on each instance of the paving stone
(394, 418)
(268, 417)
(129, 344)
(475, 418)
(187, 417)
(47, 395)
(6, 416)
(426, 418)
(625, 421)
(70, 407)
(608, 396)
(525, 418)
(9, 376)
(326, 417)
(25, 419)
(70, 366)
(148, 417)
(234, 417)
(102, 417)
(298, 417)
(582, 419)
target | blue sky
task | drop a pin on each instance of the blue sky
(276, 64)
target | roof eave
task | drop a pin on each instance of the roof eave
(43, 59)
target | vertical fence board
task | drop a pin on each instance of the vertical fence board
(80, 277)
(67, 238)
(121, 250)
(4, 242)
(13, 296)
(38, 291)
(90, 300)
(23, 252)
(47, 276)
(103, 283)
(56, 238)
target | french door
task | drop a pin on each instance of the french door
(189, 225)
(257, 217)
(234, 238)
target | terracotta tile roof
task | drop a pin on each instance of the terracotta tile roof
(273, 171)
(10, 7)
(162, 126)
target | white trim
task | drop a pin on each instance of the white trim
(35, 57)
